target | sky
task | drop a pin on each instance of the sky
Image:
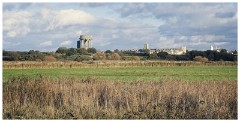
(48, 26)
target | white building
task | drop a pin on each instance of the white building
(172, 51)
(146, 46)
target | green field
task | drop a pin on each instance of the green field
(192, 73)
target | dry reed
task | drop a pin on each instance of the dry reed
(90, 98)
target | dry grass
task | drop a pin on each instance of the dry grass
(108, 63)
(72, 98)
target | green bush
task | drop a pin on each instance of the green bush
(83, 58)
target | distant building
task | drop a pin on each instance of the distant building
(85, 41)
(146, 46)
(215, 49)
(172, 51)
(211, 47)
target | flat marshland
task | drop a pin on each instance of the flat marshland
(140, 92)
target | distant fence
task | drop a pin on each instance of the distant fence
(101, 64)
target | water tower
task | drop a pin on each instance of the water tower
(85, 41)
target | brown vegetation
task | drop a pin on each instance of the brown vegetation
(200, 58)
(135, 58)
(112, 63)
(116, 56)
(49, 58)
(99, 56)
(72, 98)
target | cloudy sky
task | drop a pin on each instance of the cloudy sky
(47, 26)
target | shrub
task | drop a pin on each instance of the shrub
(71, 51)
(135, 58)
(81, 51)
(99, 56)
(49, 58)
(83, 58)
(153, 56)
(15, 56)
(91, 50)
(34, 56)
(108, 51)
(115, 56)
(200, 58)
(62, 50)
(108, 56)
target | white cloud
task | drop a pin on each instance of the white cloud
(16, 23)
(102, 43)
(46, 44)
(61, 18)
(115, 36)
(162, 25)
(220, 43)
(12, 43)
(66, 43)
(11, 33)
(78, 32)
(166, 42)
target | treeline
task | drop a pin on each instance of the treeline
(62, 53)
(81, 54)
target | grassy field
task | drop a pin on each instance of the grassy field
(139, 92)
(191, 73)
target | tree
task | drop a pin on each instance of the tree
(91, 50)
(141, 50)
(146, 51)
(99, 56)
(235, 52)
(108, 51)
(82, 51)
(34, 56)
(194, 53)
(115, 56)
(223, 51)
(211, 56)
(14, 55)
(116, 51)
(181, 58)
(170, 57)
(5, 53)
(71, 51)
(62, 50)
(153, 56)
(162, 55)
(227, 56)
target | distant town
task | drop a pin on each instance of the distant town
(85, 41)
(86, 52)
